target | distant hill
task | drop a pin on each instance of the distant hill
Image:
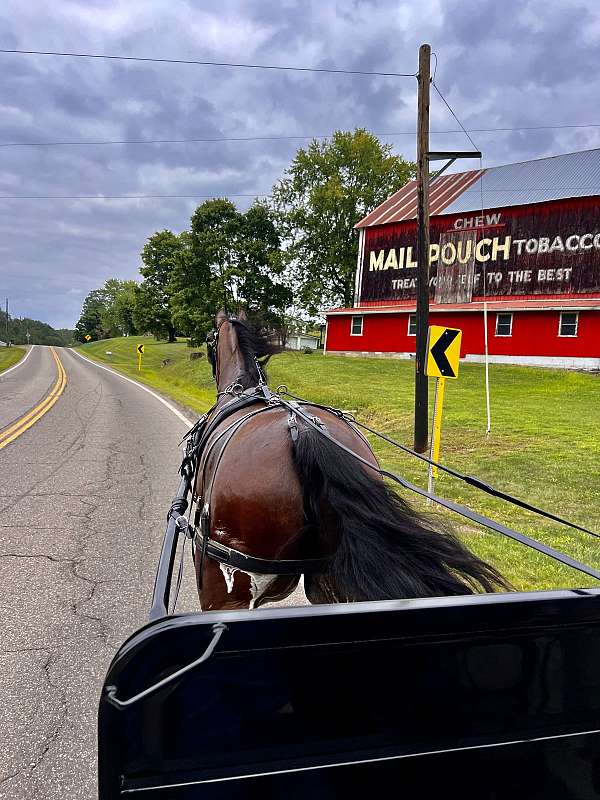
(39, 332)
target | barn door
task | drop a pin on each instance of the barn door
(456, 267)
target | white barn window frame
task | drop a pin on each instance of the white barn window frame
(568, 324)
(412, 325)
(504, 324)
(356, 325)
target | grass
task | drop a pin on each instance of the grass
(9, 356)
(543, 446)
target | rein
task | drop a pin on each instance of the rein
(471, 480)
(198, 438)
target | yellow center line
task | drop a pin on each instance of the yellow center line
(25, 422)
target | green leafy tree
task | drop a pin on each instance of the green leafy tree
(90, 320)
(123, 308)
(119, 303)
(329, 186)
(160, 256)
(39, 332)
(233, 259)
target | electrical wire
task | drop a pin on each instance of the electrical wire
(592, 189)
(451, 110)
(286, 137)
(330, 70)
(127, 196)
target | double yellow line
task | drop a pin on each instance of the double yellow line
(24, 423)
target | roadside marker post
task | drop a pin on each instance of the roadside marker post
(443, 356)
(140, 352)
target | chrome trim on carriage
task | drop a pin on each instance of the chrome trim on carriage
(379, 759)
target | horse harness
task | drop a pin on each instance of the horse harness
(201, 440)
(199, 445)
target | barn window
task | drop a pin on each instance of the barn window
(568, 323)
(504, 324)
(357, 326)
(412, 324)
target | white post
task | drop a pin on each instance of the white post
(487, 367)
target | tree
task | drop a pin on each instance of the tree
(329, 187)
(233, 259)
(160, 256)
(90, 319)
(39, 332)
(260, 265)
(123, 308)
(119, 302)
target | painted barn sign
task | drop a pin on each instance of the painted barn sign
(545, 249)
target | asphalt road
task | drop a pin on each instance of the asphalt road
(83, 497)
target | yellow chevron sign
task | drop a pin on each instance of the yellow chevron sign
(443, 351)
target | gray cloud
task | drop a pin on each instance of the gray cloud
(504, 65)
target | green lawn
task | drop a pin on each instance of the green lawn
(9, 356)
(544, 445)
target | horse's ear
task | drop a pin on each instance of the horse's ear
(242, 316)
(221, 315)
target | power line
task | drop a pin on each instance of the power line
(451, 110)
(330, 70)
(590, 189)
(127, 196)
(285, 137)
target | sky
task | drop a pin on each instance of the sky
(512, 64)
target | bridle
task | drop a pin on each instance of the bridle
(235, 388)
(212, 346)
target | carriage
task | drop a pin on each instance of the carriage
(492, 695)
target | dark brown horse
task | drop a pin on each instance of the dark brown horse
(275, 498)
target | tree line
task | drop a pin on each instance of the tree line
(294, 254)
(39, 332)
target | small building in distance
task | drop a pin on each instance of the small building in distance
(523, 239)
(302, 341)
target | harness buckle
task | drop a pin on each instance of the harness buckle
(185, 526)
(293, 426)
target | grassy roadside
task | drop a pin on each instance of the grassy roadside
(544, 446)
(9, 356)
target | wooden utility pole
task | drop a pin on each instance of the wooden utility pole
(421, 387)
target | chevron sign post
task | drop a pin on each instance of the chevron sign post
(443, 355)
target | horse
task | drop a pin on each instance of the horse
(274, 495)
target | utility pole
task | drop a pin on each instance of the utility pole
(7, 342)
(421, 385)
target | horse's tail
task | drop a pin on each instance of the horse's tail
(385, 549)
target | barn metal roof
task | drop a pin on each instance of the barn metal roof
(540, 180)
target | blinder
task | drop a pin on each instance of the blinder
(212, 340)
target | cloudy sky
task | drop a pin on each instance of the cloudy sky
(508, 64)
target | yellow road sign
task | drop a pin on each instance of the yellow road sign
(87, 337)
(140, 349)
(443, 351)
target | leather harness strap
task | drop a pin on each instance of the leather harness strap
(198, 437)
(473, 516)
(471, 480)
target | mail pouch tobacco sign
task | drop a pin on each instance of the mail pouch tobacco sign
(550, 248)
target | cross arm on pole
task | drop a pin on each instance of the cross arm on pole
(451, 156)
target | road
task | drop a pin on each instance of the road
(83, 495)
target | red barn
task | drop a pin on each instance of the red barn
(523, 239)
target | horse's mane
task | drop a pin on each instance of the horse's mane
(254, 346)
